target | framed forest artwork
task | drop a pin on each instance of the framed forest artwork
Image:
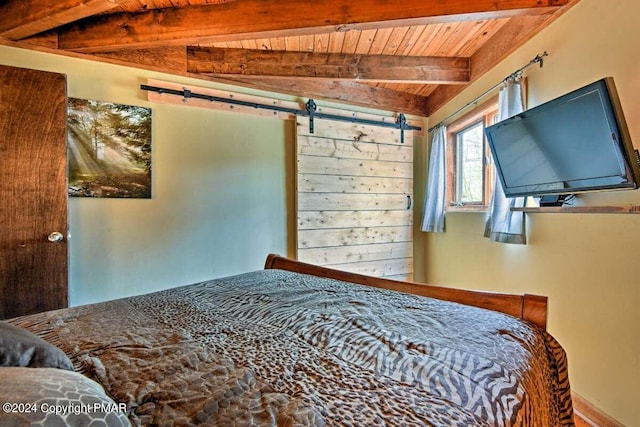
(109, 149)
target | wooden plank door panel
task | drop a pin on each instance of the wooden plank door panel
(315, 220)
(352, 149)
(33, 191)
(352, 132)
(352, 184)
(353, 167)
(353, 236)
(333, 256)
(363, 202)
(354, 187)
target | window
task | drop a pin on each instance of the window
(469, 155)
(469, 164)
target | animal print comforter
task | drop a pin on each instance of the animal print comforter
(278, 348)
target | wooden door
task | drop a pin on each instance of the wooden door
(33, 191)
(354, 198)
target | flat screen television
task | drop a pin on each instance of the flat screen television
(575, 143)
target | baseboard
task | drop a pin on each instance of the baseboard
(590, 414)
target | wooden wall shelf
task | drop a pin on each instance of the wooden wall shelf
(630, 209)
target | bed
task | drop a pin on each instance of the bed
(296, 345)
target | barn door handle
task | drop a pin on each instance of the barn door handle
(408, 202)
(55, 237)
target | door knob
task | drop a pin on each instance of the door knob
(55, 237)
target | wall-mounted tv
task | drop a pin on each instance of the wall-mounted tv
(575, 143)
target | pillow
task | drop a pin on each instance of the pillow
(55, 397)
(19, 347)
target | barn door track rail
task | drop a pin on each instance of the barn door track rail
(310, 110)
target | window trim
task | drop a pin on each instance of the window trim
(485, 113)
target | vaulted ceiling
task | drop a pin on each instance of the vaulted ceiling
(409, 56)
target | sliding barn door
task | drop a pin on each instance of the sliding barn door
(354, 198)
(33, 191)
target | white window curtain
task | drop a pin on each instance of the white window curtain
(501, 224)
(434, 204)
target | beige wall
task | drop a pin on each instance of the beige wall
(588, 264)
(219, 201)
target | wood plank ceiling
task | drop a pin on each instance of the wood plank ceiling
(409, 56)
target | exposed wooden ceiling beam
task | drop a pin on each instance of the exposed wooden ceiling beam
(266, 18)
(333, 66)
(20, 19)
(341, 91)
(173, 60)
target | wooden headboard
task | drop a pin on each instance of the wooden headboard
(531, 308)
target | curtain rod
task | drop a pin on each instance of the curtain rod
(537, 60)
